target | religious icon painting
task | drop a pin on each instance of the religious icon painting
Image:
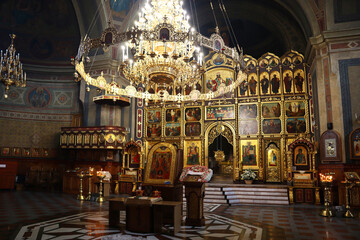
(286, 61)
(154, 130)
(218, 59)
(172, 129)
(300, 156)
(295, 109)
(79, 139)
(192, 153)
(248, 111)
(250, 65)
(288, 81)
(154, 116)
(5, 151)
(275, 82)
(95, 139)
(161, 164)
(248, 127)
(243, 89)
(46, 152)
(35, 152)
(218, 77)
(271, 126)
(295, 125)
(297, 60)
(193, 114)
(264, 83)
(299, 81)
(173, 115)
(354, 142)
(271, 110)
(110, 138)
(249, 153)
(26, 152)
(223, 112)
(16, 152)
(273, 157)
(264, 63)
(192, 129)
(252, 83)
(330, 148)
(109, 155)
(87, 139)
(273, 62)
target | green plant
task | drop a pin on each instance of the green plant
(248, 174)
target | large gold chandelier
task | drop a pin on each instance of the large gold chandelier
(163, 52)
(11, 71)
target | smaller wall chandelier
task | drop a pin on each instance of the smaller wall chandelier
(162, 52)
(11, 70)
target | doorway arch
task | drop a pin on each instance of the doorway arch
(227, 132)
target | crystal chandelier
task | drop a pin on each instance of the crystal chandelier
(163, 52)
(11, 71)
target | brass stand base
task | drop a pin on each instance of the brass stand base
(326, 213)
(348, 214)
(88, 198)
(100, 199)
(80, 197)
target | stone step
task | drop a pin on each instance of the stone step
(213, 193)
(257, 193)
(254, 201)
(257, 197)
(227, 189)
(218, 201)
(214, 196)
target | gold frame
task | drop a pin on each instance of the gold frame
(187, 144)
(220, 106)
(192, 107)
(170, 180)
(307, 155)
(245, 142)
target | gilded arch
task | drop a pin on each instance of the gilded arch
(228, 131)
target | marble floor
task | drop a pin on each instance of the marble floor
(41, 215)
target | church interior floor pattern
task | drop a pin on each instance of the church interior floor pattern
(55, 216)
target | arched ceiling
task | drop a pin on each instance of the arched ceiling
(47, 31)
(260, 26)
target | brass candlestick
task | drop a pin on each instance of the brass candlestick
(81, 196)
(101, 197)
(348, 186)
(327, 212)
(88, 198)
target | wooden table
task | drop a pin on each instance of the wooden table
(167, 212)
(115, 206)
(144, 216)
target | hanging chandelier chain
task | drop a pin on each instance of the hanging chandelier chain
(229, 25)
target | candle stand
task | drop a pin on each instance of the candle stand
(80, 195)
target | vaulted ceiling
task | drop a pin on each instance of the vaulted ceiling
(48, 32)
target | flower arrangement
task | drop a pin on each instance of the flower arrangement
(248, 174)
